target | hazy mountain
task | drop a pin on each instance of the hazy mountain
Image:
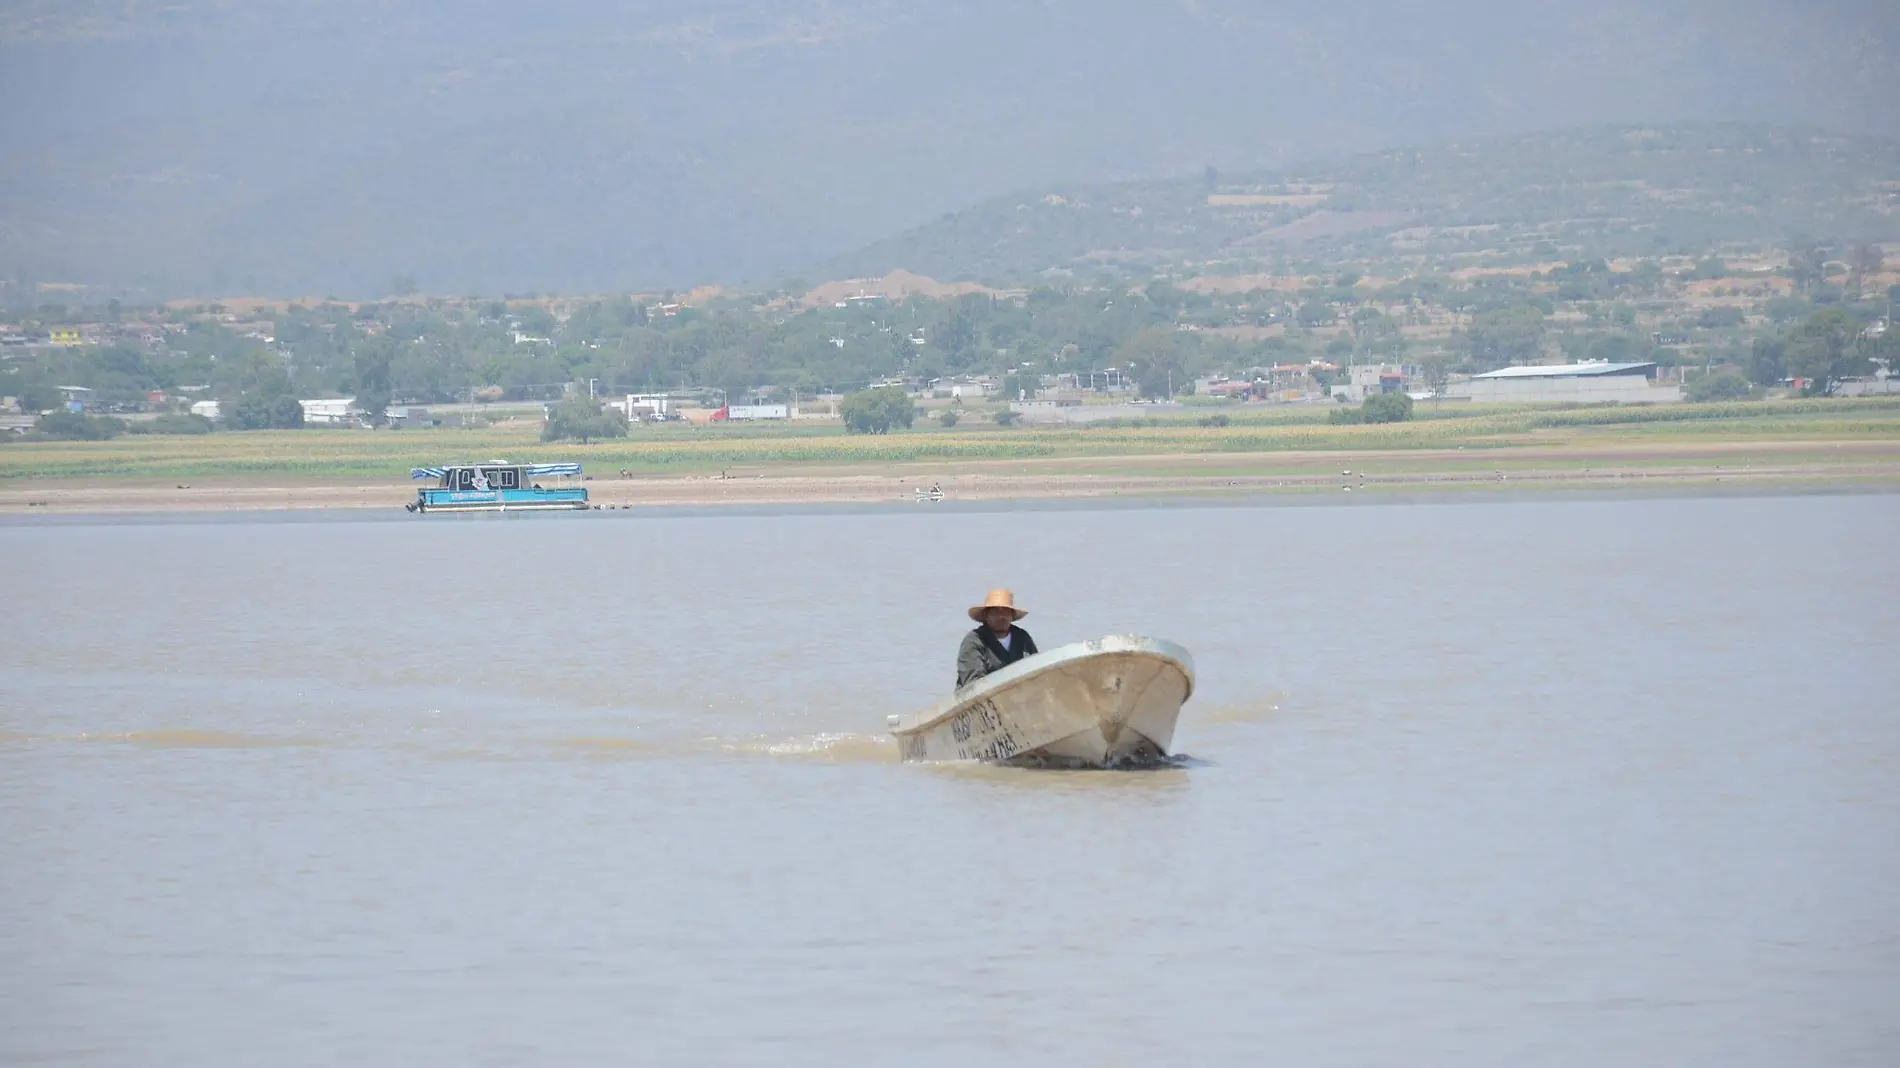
(293, 146)
(1587, 192)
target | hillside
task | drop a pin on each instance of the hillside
(1599, 191)
(291, 147)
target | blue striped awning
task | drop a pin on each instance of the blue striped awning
(534, 470)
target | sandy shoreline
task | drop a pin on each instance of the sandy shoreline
(1216, 475)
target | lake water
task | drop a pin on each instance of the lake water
(1505, 782)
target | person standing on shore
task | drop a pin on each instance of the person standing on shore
(996, 642)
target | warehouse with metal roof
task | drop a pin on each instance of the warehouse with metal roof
(1594, 382)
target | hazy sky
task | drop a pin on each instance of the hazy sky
(295, 146)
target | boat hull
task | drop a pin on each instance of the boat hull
(1091, 704)
(509, 500)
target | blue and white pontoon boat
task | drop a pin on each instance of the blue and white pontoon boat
(498, 487)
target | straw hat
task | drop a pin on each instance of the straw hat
(997, 599)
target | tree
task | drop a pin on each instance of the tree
(29, 383)
(1863, 262)
(1315, 312)
(1764, 362)
(1807, 264)
(286, 413)
(876, 411)
(77, 426)
(265, 411)
(372, 379)
(582, 417)
(1724, 385)
(1387, 408)
(1504, 336)
(1153, 358)
(1824, 349)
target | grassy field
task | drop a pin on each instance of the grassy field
(678, 449)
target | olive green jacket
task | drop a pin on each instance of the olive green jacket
(981, 653)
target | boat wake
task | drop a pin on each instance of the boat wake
(1139, 762)
(824, 748)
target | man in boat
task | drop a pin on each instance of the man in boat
(996, 642)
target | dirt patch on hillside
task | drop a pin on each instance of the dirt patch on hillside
(1245, 283)
(1263, 200)
(897, 285)
(1323, 224)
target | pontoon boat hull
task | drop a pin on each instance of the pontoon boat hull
(569, 499)
(1091, 704)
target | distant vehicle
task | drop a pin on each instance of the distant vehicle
(498, 487)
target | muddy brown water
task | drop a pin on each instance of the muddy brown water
(1501, 782)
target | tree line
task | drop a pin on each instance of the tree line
(1161, 335)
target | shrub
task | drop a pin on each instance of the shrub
(876, 411)
(583, 418)
(1387, 408)
(948, 418)
(77, 426)
(1724, 385)
(173, 424)
(260, 411)
(1213, 420)
(1007, 417)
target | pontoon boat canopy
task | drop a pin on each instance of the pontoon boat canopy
(534, 470)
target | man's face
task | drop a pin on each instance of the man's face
(999, 619)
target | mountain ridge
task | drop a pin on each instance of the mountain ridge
(576, 145)
(1610, 189)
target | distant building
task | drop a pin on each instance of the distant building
(64, 336)
(758, 411)
(972, 387)
(650, 407)
(331, 411)
(407, 415)
(1371, 380)
(1236, 389)
(1106, 380)
(1597, 382)
(207, 408)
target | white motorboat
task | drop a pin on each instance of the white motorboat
(1091, 704)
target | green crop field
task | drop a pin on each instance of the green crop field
(375, 455)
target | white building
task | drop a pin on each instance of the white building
(758, 411)
(208, 409)
(651, 407)
(1587, 383)
(330, 411)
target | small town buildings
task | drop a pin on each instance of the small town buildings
(206, 408)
